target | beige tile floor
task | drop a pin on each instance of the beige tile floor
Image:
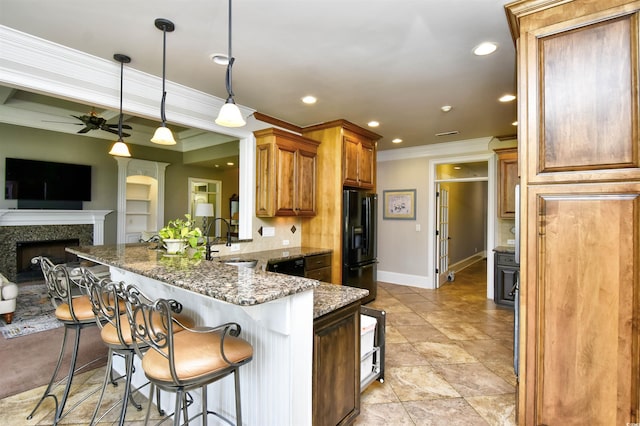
(448, 362)
(448, 356)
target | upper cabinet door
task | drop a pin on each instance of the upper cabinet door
(585, 100)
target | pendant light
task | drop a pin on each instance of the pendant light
(163, 135)
(230, 115)
(120, 148)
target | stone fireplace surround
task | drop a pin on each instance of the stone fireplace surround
(18, 225)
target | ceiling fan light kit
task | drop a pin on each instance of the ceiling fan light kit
(230, 115)
(120, 148)
(163, 135)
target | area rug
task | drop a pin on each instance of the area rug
(34, 313)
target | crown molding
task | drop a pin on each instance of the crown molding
(31, 63)
(463, 147)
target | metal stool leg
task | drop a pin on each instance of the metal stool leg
(53, 377)
(72, 369)
(108, 378)
(236, 376)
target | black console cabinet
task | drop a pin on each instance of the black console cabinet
(505, 276)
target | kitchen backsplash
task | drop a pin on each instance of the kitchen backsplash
(285, 229)
(504, 228)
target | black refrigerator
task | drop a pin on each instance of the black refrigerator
(359, 247)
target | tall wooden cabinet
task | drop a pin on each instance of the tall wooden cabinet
(346, 158)
(507, 181)
(285, 174)
(580, 204)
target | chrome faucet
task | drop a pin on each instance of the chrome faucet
(207, 227)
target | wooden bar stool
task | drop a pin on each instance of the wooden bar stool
(190, 359)
(109, 310)
(73, 309)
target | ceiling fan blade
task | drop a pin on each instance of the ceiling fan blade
(62, 122)
(125, 135)
(85, 130)
(115, 126)
(107, 129)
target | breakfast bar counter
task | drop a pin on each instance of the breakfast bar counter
(276, 313)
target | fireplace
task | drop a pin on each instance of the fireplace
(53, 249)
(26, 226)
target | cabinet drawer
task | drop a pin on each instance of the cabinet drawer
(507, 259)
(317, 261)
(321, 274)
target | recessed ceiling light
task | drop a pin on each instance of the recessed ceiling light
(506, 98)
(309, 100)
(446, 108)
(216, 165)
(220, 58)
(397, 140)
(486, 48)
(229, 163)
(457, 168)
(515, 123)
(373, 124)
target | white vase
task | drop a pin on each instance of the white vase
(174, 246)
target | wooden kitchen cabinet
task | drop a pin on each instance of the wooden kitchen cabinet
(318, 267)
(507, 181)
(286, 174)
(580, 211)
(358, 163)
(505, 276)
(336, 367)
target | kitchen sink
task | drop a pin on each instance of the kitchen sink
(246, 263)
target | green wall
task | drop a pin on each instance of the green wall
(36, 144)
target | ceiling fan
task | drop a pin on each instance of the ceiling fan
(92, 121)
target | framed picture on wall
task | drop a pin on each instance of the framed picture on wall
(399, 204)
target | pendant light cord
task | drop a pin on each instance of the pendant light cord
(231, 59)
(164, 62)
(120, 119)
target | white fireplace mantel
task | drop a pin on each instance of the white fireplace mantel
(28, 217)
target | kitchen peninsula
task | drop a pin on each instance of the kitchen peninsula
(276, 313)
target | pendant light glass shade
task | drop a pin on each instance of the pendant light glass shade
(163, 135)
(229, 115)
(120, 148)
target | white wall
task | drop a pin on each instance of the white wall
(406, 255)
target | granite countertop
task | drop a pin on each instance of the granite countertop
(329, 297)
(266, 256)
(505, 249)
(237, 285)
(240, 286)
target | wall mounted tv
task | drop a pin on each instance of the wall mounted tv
(45, 184)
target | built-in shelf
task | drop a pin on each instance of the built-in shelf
(140, 198)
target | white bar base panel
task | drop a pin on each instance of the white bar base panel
(276, 385)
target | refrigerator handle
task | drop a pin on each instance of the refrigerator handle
(517, 220)
(365, 233)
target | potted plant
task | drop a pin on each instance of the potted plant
(180, 234)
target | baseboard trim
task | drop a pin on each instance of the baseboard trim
(405, 279)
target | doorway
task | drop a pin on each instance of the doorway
(477, 201)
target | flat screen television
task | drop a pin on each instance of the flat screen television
(46, 181)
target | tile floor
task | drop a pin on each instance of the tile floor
(448, 362)
(448, 356)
